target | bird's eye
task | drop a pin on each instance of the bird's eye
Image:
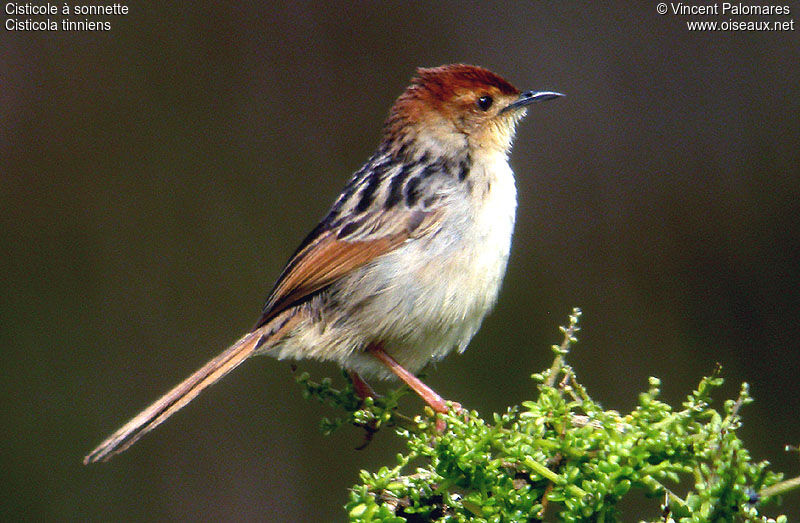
(485, 102)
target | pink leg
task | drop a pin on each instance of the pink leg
(426, 393)
(364, 391)
(361, 387)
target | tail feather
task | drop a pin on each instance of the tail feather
(176, 399)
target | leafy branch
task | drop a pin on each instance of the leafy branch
(561, 456)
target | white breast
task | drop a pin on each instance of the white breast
(446, 285)
(494, 214)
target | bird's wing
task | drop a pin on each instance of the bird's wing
(333, 251)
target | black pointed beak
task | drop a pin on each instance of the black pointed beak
(529, 97)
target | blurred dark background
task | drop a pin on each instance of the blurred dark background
(155, 178)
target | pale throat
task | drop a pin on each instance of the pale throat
(439, 139)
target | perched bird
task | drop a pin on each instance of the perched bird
(410, 257)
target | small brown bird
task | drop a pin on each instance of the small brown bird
(410, 257)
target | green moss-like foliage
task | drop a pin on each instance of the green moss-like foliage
(561, 457)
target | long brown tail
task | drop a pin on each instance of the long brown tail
(177, 398)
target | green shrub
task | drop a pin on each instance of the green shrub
(560, 457)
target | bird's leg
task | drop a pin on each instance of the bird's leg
(436, 402)
(364, 391)
(361, 387)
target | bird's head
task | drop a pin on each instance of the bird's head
(452, 107)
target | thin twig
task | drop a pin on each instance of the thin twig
(563, 349)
